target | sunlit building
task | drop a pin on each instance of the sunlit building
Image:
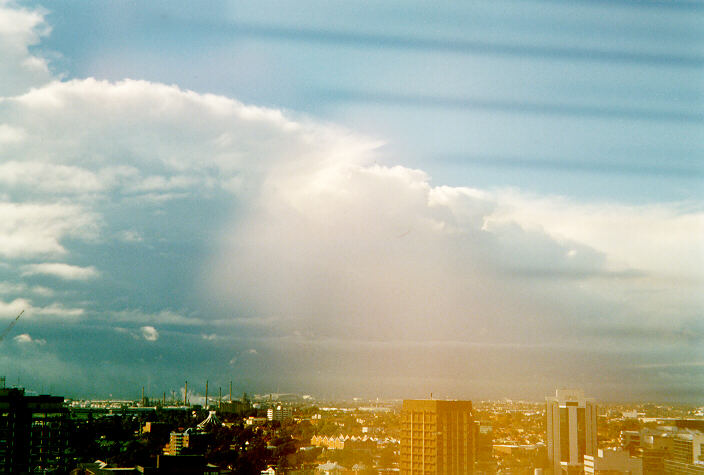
(612, 462)
(654, 461)
(687, 455)
(279, 413)
(571, 427)
(437, 437)
(188, 441)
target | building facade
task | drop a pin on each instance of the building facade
(34, 433)
(687, 454)
(571, 427)
(613, 462)
(279, 413)
(188, 441)
(437, 437)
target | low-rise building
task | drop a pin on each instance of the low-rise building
(344, 441)
(612, 462)
(189, 439)
(279, 413)
(255, 421)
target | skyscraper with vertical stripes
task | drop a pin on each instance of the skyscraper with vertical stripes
(571, 427)
(437, 437)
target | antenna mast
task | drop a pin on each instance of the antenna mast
(9, 327)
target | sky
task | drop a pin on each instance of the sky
(372, 199)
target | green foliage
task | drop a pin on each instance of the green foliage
(349, 457)
(242, 449)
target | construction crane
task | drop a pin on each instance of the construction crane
(9, 327)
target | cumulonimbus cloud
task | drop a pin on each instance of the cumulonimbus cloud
(325, 242)
(378, 252)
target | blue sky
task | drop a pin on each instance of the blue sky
(527, 61)
(307, 196)
(601, 89)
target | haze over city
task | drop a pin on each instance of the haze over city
(380, 199)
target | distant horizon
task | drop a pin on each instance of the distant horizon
(213, 398)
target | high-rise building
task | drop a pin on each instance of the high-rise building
(437, 437)
(33, 433)
(571, 426)
(654, 461)
(484, 462)
(687, 454)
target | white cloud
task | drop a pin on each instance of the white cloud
(660, 238)
(163, 317)
(61, 270)
(21, 28)
(130, 235)
(40, 176)
(36, 229)
(42, 291)
(58, 310)
(20, 288)
(25, 338)
(73, 120)
(9, 134)
(149, 333)
(13, 308)
(162, 183)
(12, 288)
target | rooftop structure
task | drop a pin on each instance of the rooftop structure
(209, 422)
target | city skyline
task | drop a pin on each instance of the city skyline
(299, 436)
(390, 201)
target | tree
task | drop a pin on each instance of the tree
(387, 457)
